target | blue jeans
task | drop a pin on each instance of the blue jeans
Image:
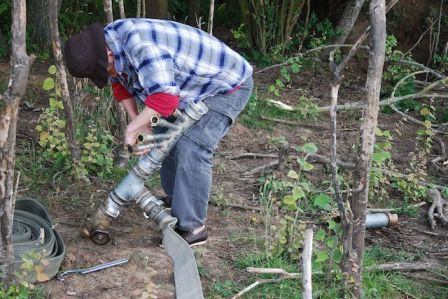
(186, 173)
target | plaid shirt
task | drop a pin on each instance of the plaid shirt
(160, 56)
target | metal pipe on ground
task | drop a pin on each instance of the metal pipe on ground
(376, 220)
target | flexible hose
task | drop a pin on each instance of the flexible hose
(34, 239)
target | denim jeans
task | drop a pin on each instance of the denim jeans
(186, 173)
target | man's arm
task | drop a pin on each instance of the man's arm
(130, 105)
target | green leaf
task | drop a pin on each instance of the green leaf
(53, 103)
(295, 68)
(279, 83)
(60, 105)
(425, 111)
(293, 174)
(52, 70)
(320, 235)
(289, 200)
(322, 201)
(331, 242)
(309, 148)
(381, 157)
(61, 123)
(321, 256)
(48, 84)
(298, 193)
(306, 166)
(333, 225)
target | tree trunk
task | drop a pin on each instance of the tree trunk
(346, 23)
(139, 8)
(194, 7)
(39, 25)
(122, 156)
(348, 19)
(53, 17)
(156, 9)
(108, 11)
(210, 16)
(121, 9)
(9, 104)
(368, 127)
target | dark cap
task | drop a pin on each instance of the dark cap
(86, 55)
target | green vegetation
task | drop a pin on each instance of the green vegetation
(96, 140)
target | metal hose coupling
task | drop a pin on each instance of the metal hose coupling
(154, 209)
(97, 227)
(98, 223)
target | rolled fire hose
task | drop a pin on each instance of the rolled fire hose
(34, 238)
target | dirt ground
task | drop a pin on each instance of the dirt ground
(149, 274)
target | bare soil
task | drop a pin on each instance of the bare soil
(149, 272)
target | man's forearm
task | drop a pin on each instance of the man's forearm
(130, 106)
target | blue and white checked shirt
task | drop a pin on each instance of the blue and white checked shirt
(169, 57)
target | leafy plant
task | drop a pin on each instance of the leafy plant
(15, 292)
(96, 155)
(395, 71)
(270, 23)
(318, 32)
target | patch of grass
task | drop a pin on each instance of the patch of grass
(376, 254)
(376, 284)
(223, 289)
(256, 107)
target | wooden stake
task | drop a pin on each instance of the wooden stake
(306, 265)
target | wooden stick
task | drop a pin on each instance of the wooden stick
(289, 122)
(277, 271)
(236, 206)
(417, 205)
(255, 284)
(252, 155)
(306, 264)
(403, 267)
(261, 168)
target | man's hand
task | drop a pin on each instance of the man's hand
(140, 125)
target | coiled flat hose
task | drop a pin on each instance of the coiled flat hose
(35, 239)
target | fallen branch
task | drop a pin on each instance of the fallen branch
(417, 277)
(262, 168)
(437, 204)
(394, 99)
(277, 271)
(417, 205)
(289, 122)
(255, 284)
(252, 155)
(386, 267)
(236, 206)
(399, 266)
